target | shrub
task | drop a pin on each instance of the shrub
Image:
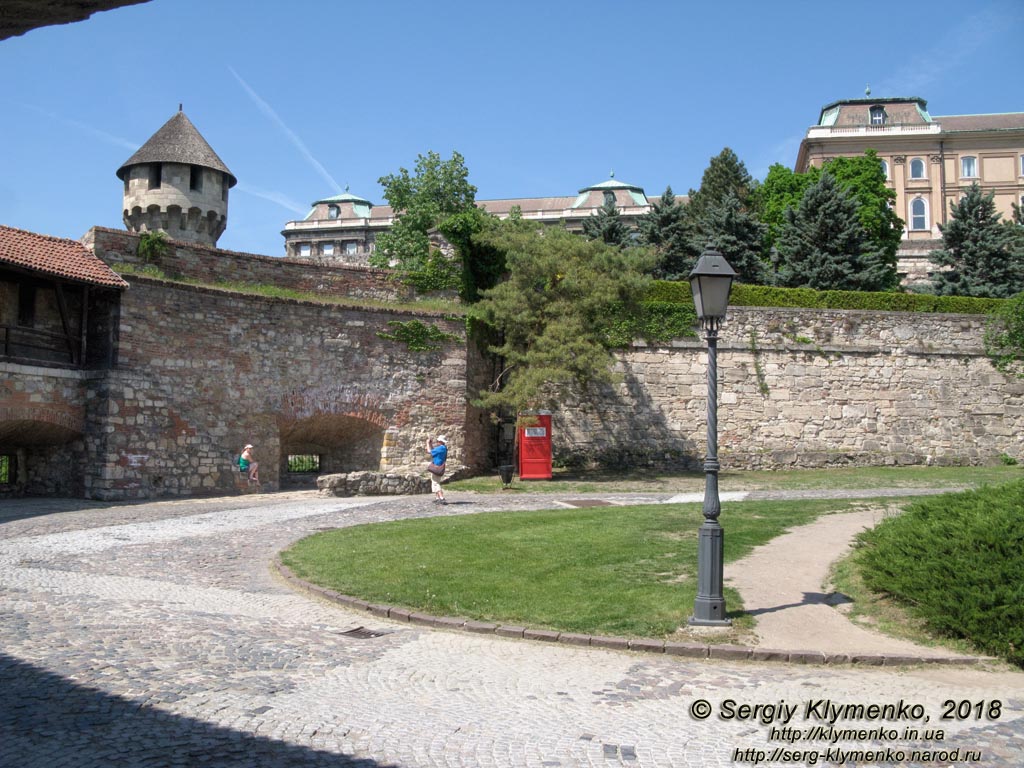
(955, 561)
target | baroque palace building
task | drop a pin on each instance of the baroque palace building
(929, 161)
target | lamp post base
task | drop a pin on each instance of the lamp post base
(709, 606)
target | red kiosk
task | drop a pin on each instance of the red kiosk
(535, 447)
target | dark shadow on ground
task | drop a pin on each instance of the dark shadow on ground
(47, 720)
(810, 598)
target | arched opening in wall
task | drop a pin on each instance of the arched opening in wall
(40, 458)
(327, 444)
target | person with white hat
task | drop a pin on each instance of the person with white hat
(246, 463)
(438, 456)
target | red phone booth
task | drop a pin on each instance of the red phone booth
(535, 447)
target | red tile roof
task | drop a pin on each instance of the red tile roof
(1008, 121)
(56, 256)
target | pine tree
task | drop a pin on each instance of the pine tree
(979, 255)
(667, 229)
(823, 245)
(739, 237)
(725, 173)
(607, 226)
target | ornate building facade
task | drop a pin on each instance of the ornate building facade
(929, 160)
(343, 229)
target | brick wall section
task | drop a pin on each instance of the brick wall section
(808, 388)
(211, 265)
(202, 372)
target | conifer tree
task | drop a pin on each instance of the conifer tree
(548, 314)
(607, 226)
(667, 229)
(823, 245)
(725, 173)
(739, 237)
(979, 255)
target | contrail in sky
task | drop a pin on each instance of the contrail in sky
(275, 197)
(303, 150)
(102, 135)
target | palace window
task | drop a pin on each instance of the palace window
(195, 178)
(917, 168)
(328, 249)
(305, 250)
(609, 198)
(351, 247)
(885, 167)
(968, 167)
(918, 214)
(332, 212)
(155, 170)
(878, 115)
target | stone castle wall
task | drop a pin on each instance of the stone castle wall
(808, 388)
(203, 372)
(212, 265)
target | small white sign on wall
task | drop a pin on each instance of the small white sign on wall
(536, 431)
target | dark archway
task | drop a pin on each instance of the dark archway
(328, 444)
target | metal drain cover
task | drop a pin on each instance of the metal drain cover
(362, 633)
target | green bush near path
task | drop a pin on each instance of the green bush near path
(598, 570)
(957, 562)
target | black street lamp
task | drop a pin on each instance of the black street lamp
(710, 281)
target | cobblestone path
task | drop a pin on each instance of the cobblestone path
(157, 635)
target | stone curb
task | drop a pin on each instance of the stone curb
(642, 645)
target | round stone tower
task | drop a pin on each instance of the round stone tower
(177, 184)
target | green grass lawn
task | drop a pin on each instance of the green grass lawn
(605, 570)
(565, 481)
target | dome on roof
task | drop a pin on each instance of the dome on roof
(344, 197)
(177, 141)
(612, 184)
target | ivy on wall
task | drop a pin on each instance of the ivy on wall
(417, 336)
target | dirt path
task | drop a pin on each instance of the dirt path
(782, 582)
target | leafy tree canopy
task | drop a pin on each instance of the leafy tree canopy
(782, 189)
(547, 315)
(437, 197)
(979, 256)
(823, 245)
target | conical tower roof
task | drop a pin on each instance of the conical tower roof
(178, 141)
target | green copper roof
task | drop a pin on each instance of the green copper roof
(344, 197)
(612, 184)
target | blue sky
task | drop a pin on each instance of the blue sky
(302, 98)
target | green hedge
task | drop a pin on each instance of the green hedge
(767, 296)
(955, 561)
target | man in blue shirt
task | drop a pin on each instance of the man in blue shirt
(438, 456)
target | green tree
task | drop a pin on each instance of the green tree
(547, 315)
(725, 174)
(822, 244)
(739, 237)
(607, 225)
(782, 189)
(864, 178)
(423, 202)
(668, 231)
(979, 256)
